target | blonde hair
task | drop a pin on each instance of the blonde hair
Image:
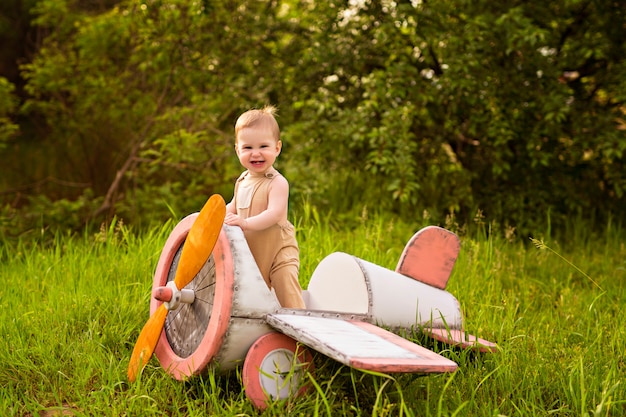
(256, 117)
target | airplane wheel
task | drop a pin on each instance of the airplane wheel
(275, 369)
(193, 333)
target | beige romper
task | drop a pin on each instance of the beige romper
(275, 249)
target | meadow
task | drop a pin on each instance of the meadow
(71, 310)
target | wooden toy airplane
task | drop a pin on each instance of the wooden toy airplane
(211, 307)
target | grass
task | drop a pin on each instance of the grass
(71, 310)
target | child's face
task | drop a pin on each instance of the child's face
(257, 148)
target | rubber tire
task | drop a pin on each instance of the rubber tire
(275, 368)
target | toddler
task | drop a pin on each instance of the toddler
(259, 205)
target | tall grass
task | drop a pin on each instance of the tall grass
(71, 311)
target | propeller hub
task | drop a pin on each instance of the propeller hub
(172, 297)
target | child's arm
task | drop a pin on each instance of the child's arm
(230, 207)
(278, 199)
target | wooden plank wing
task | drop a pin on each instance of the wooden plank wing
(360, 344)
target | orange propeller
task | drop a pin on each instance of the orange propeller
(197, 248)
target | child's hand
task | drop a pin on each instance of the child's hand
(234, 220)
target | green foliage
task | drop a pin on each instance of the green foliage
(8, 106)
(63, 214)
(463, 107)
(447, 106)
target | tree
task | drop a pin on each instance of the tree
(513, 109)
(449, 106)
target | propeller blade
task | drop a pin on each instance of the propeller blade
(198, 246)
(146, 342)
(200, 240)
